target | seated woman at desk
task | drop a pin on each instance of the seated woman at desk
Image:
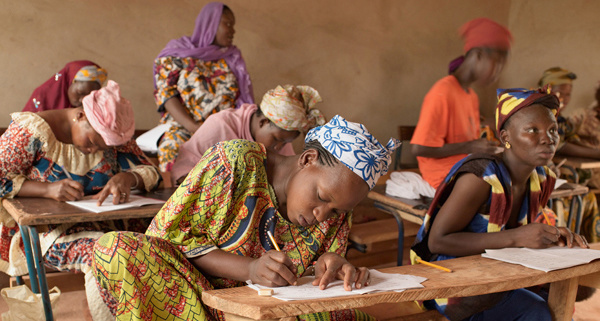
(491, 202)
(67, 87)
(283, 114)
(64, 154)
(573, 144)
(212, 233)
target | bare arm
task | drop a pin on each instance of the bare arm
(180, 114)
(570, 149)
(447, 234)
(272, 269)
(63, 190)
(474, 146)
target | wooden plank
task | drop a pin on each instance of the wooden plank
(569, 189)
(374, 231)
(561, 299)
(65, 281)
(591, 280)
(415, 207)
(582, 163)
(41, 211)
(471, 276)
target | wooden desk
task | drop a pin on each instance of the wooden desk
(29, 212)
(580, 162)
(473, 275)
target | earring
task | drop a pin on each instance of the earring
(507, 145)
(74, 120)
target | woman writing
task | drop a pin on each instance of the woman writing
(212, 233)
(198, 76)
(65, 154)
(67, 87)
(283, 114)
(494, 201)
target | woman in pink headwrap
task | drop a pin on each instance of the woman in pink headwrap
(65, 154)
(198, 76)
(67, 87)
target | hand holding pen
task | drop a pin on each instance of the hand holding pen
(274, 268)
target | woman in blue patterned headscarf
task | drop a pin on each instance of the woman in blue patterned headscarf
(212, 233)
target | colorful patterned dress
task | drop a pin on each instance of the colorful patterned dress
(203, 87)
(493, 215)
(590, 215)
(30, 151)
(225, 203)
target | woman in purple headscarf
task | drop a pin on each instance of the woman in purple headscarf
(198, 76)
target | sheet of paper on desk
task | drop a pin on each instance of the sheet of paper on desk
(550, 259)
(559, 182)
(379, 282)
(134, 201)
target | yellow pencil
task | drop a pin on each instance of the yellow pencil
(546, 216)
(273, 241)
(434, 265)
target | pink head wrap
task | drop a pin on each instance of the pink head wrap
(110, 114)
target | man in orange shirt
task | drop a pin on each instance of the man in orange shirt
(449, 127)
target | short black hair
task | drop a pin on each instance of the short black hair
(325, 157)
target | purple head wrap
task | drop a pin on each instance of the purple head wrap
(200, 46)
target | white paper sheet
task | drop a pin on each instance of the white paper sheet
(379, 282)
(134, 201)
(550, 259)
(148, 141)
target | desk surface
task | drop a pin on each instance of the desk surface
(473, 275)
(580, 162)
(40, 211)
(414, 207)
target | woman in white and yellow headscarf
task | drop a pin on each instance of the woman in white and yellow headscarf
(284, 113)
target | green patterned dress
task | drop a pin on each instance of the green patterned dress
(225, 203)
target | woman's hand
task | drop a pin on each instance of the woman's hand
(540, 236)
(273, 269)
(64, 190)
(569, 239)
(119, 186)
(331, 266)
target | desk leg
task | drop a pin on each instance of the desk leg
(25, 236)
(41, 271)
(561, 299)
(400, 223)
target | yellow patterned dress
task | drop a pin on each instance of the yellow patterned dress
(225, 203)
(203, 87)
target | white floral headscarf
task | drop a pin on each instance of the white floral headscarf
(353, 145)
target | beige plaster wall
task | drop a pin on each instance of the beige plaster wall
(372, 61)
(555, 33)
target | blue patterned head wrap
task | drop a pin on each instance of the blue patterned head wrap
(353, 145)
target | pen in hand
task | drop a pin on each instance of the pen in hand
(273, 241)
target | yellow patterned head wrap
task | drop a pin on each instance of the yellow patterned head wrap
(91, 73)
(556, 76)
(512, 100)
(291, 107)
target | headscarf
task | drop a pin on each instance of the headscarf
(482, 33)
(110, 114)
(556, 76)
(200, 46)
(292, 107)
(53, 94)
(353, 145)
(512, 100)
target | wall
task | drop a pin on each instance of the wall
(372, 61)
(555, 33)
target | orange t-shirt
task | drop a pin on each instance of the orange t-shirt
(448, 115)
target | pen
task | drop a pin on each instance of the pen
(433, 265)
(561, 163)
(66, 173)
(273, 241)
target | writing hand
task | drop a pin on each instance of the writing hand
(273, 269)
(64, 190)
